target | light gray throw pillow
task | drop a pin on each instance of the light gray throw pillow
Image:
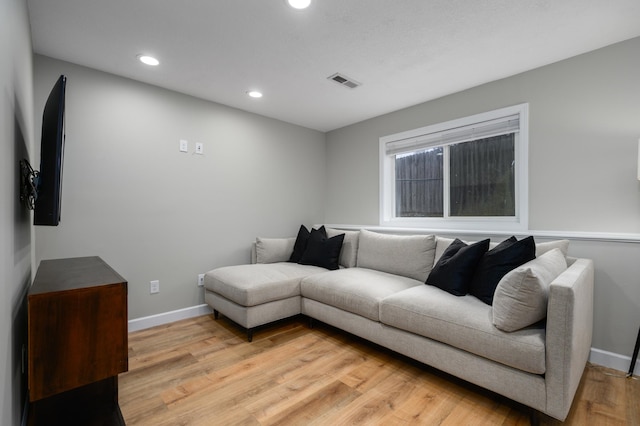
(520, 299)
(410, 256)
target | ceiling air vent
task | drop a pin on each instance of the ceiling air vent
(343, 80)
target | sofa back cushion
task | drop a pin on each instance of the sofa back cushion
(271, 250)
(410, 256)
(542, 248)
(349, 252)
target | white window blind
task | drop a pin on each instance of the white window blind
(484, 129)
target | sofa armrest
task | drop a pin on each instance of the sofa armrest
(569, 333)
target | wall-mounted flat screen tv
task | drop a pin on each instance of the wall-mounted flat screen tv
(49, 181)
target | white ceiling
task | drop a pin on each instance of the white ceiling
(404, 52)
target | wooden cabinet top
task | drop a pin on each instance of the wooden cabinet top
(73, 273)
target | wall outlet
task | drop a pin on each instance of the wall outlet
(154, 287)
(184, 145)
(200, 280)
(199, 148)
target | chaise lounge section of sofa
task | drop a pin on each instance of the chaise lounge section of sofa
(530, 345)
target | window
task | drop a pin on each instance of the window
(469, 173)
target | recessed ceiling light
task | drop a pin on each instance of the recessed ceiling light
(148, 60)
(254, 94)
(299, 4)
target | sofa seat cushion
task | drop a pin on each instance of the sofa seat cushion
(251, 285)
(465, 323)
(356, 290)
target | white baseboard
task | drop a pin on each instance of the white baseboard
(597, 356)
(612, 360)
(167, 317)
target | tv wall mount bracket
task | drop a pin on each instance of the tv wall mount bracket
(28, 184)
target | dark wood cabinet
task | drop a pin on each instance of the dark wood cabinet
(77, 322)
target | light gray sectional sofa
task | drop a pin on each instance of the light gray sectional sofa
(531, 345)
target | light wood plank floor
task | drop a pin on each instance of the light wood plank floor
(204, 372)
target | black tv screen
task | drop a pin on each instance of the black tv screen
(49, 185)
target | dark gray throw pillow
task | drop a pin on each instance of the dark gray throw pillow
(455, 268)
(302, 239)
(322, 251)
(497, 262)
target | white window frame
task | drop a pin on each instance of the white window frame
(519, 222)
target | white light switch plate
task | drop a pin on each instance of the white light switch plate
(184, 146)
(199, 148)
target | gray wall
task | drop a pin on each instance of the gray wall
(153, 212)
(16, 140)
(583, 150)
